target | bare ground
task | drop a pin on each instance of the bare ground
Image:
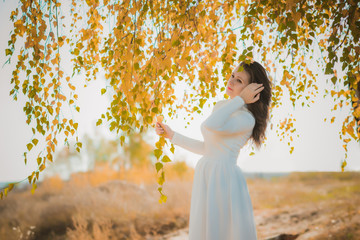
(299, 206)
(303, 206)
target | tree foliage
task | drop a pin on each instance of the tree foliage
(146, 46)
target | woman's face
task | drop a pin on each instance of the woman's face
(237, 82)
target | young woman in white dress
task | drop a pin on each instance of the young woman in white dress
(221, 208)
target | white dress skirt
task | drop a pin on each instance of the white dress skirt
(221, 207)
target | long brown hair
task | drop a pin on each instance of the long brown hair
(260, 108)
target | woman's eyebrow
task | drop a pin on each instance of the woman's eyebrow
(238, 77)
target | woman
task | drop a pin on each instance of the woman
(221, 208)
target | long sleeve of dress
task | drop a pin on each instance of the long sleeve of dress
(221, 123)
(190, 144)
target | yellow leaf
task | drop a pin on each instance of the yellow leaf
(163, 199)
(42, 167)
(35, 141)
(332, 119)
(291, 150)
(48, 137)
(49, 157)
(29, 146)
(33, 189)
(160, 118)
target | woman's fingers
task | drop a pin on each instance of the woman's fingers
(259, 89)
(160, 129)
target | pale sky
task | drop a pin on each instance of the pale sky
(318, 147)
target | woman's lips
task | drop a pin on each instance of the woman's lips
(229, 88)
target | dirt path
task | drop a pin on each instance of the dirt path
(321, 209)
(306, 221)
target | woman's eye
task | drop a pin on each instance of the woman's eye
(236, 79)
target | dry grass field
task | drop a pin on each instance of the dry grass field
(106, 204)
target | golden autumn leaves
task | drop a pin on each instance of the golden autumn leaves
(142, 49)
(159, 165)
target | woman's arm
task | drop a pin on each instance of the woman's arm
(189, 144)
(221, 123)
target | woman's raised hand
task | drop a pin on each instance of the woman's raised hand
(251, 93)
(164, 130)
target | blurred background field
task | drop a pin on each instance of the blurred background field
(111, 193)
(109, 204)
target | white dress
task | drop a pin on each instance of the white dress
(221, 208)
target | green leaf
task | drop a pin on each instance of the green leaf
(148, 119)
(158, 166)
(103, 91)
(333, 79)
(157, 153)
(8, 52)
(161, 180)
(328, 69)
(98, 122)
(155, 110)
(29, 178)
(165, 159)
(175, 43)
